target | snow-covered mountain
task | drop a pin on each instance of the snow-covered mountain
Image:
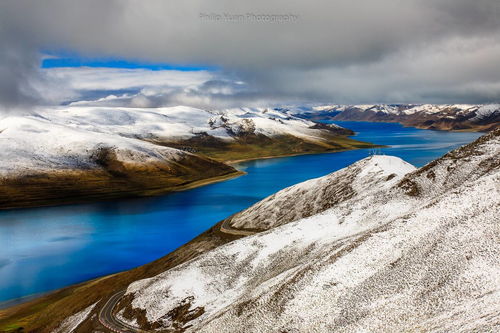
(67, 137)
(432, 116)
(359, 180)
(37, 143)
(375, 247)
(115, 148)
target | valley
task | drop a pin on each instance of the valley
(275, 172)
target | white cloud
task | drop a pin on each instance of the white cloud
(87, 78)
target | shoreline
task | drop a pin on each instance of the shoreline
(151, 192)
(208, 181)
(233, 162)
(124, 195)
(464, 130)
(53, 297)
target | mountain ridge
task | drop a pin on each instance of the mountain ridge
(450, 117)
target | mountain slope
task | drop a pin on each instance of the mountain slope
(396, 259)
(74, 154)
(359, 180)
(427, 116)
(230, 134)
(45, 163)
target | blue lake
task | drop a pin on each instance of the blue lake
(48, 248)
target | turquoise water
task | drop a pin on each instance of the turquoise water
(49, 248)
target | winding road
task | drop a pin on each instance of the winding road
(228, 229)
(108, 320)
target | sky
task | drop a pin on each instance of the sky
(224, 53)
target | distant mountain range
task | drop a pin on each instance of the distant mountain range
(454, 117)
(72, 154)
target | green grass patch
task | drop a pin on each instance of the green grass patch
(255, 146)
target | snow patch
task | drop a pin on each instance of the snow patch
(71, 323)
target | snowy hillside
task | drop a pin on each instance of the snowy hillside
(35, 143)
(482, 110)
(182, 122)
(76, 153)
(398, 250)
(359, 180)
(67, 137)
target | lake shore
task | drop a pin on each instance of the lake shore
(235, 162)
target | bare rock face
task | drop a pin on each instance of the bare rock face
(393, 249)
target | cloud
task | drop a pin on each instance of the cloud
(18, 75)
(340, 51)
(118, 78)
(146, 88)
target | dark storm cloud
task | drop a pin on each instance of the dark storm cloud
(16, 72)
(343, 51)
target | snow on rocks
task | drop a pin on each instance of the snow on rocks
(485, 111)
(466, 163)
